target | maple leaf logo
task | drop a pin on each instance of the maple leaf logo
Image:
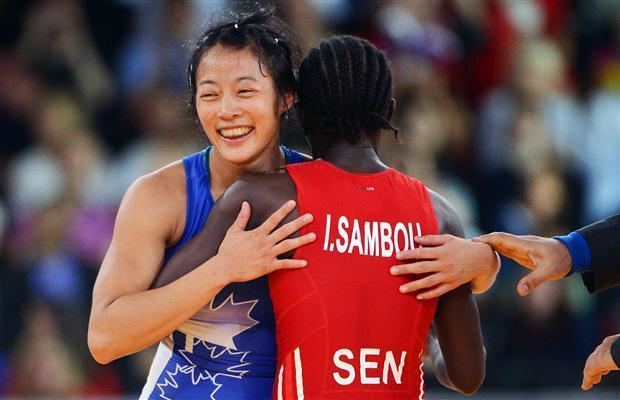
(182, 376)
(212, 331)
(219, 325)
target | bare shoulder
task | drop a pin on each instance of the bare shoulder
(447, 218)
(265, 192)
(160, 195)
(252, 186)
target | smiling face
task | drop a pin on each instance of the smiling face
(238, 106)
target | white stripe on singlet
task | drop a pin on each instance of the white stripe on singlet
(280, 396)
(421, 375)
(163, 355)
(299, 378)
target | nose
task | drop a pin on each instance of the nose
(229, 108)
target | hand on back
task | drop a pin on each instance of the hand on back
(449, 262)
(251, 254)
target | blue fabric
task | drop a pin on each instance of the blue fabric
(292, 156)
(199, 198)
(239, 359)
(579, 251)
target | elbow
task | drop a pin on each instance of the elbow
(100, 347)
(469, 385)
(470, 388)
(469, 380)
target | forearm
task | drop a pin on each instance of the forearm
(457, 325)
(483, 282)
(439, 365)
(603, 242)
(136, 321)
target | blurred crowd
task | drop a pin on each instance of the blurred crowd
(511, 109)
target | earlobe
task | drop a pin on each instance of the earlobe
(289, 101)
(391, 109)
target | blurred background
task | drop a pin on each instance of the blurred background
(510, 108)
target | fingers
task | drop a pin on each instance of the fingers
(424, 283)
(532, 281)
(590, 379)
(290, 244)
(517, 248)
(421, 267)
(588, 373)
(288, 229)
(420, 253)
(433, 240)
(289, 264)
(502, 242)
(436, 292)
(243, 217)
(274, 219)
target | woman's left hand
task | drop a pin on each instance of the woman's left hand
(448, 262)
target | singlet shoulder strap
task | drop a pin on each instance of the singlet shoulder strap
(199, 198)
(292, 156)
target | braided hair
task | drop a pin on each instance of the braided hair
(345, 88)
(273, 42)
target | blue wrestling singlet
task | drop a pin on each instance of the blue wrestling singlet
(228, 349)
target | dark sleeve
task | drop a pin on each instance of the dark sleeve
(603, 239)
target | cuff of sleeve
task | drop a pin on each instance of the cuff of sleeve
(579, 251)
(615, 352)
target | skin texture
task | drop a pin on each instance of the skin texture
(599, 363)
(233, 91)
(126, 315)
(548, 259)
(459, 356)
(451, 262)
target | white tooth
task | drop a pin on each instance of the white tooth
(235, 132)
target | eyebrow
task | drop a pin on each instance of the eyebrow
(241, 78)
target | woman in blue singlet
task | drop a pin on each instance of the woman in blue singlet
(242, 86)
(215, 324)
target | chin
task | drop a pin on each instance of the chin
(241, 155)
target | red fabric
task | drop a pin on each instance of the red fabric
(348, 304)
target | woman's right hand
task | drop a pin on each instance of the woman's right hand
(248, 255)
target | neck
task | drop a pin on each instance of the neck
(359, 157)
(224, 173)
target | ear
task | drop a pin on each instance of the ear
(288, 101)
(391, 109)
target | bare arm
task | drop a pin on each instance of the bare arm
(458, 355)
(126, 316)
(261, 246)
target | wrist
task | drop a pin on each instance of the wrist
(219, 274)
(615, 352)
(574, 253)
(484, 281)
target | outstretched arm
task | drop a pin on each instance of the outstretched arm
(603, 241)
(458, 353)
(592, 251)
(548, 258)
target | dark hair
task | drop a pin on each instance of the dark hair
(345, 87)
(275, 44)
